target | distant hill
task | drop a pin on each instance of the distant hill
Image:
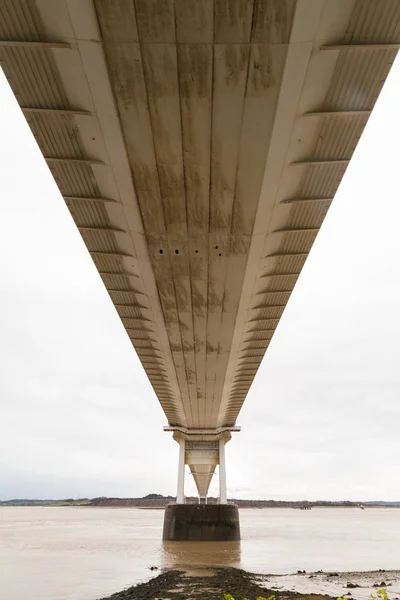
(381, 503)
(46, 502)
(160, 501)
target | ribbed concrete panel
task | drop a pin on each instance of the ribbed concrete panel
(99, 241)
(57, 134)
(307, 214)
(132, 311)
(109, 263)
(320, 181)
(75, 180)
(122, 282)
(283, 264)
(26, 68)
(339, 136)
(271, 299)
(180, 136)
(358, 78)
(372, 24)
(89, 214)
(279, 283)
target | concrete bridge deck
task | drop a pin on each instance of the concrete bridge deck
(198, 146)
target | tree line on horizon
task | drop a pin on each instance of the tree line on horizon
(158, 500)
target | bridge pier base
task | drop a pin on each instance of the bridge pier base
(201, 523)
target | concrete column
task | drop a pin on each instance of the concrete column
(222, 474)
(180, 496)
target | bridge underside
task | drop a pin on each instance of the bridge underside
(198, 146)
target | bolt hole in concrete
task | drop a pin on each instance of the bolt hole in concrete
(161, 251)
(176, 251)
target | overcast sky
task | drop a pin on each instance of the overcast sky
(322, 420)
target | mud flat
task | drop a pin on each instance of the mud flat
(212, 584)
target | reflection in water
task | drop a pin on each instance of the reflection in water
(192, 556)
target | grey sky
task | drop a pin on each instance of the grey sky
(77, 414)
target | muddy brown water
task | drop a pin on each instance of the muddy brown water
(87, 553)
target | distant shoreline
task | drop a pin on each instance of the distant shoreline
(157, 501)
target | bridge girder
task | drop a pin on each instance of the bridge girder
(198, 147)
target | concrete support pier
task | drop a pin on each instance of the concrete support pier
(201, 523)
(202, 450)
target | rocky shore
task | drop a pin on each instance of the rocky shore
(209, 584)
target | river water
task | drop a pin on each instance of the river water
(85, 553)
